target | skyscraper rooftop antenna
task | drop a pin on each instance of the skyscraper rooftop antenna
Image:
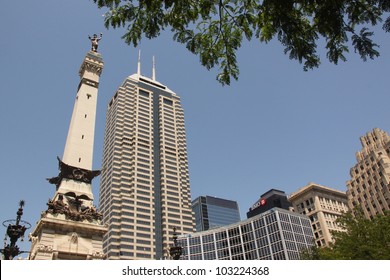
(139, 63)
(154, 70)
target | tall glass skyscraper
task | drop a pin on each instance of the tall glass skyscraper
(211, 212)
(145, 190)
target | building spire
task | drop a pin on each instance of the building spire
(154, 70)
(139, 63)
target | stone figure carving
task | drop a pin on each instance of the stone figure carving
(57, 206)
(45, 248)
(74, 238)
(78, 212)
(95, 41)
(98, 255)
(32, 238)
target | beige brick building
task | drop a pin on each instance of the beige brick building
(369, 186)
(323, 206)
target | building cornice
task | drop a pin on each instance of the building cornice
(316, 187)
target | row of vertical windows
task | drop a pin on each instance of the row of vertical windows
(143, 93)
(143, 187)
(171, 158)
(143, 181)
(143, 160)
(172, 183)
(143, 155)
(143, 170)
(144, 102)
(146, 120)
(141, 106)
(142, 192)
(142, 114)
(143, 165)
(143, 176)
(141, 216)
(144, 199)
(171, 162)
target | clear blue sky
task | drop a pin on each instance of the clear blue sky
(277, 127)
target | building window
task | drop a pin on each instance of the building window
(143, 93)
(167, 101)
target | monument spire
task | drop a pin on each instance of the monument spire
(154, 70)
(139, 63)
(71, 213)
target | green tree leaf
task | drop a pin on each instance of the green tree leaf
(363, 239)
(215, 29)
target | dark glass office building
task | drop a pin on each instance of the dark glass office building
(270, 199)
(212, 212)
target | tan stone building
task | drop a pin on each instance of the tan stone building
(369, 186)
(144, 189)
(323, 206)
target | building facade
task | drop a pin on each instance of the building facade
(323, 206)
(211, 212)
(276, 234)
(144, 190)
(268, 200)
(369, 186)
(71, 227)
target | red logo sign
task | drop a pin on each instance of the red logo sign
(259, 203)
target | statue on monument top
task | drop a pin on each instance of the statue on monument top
(95, 41)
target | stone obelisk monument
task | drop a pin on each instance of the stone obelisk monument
(71, 226)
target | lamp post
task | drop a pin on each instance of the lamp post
(175, 251)
(15, 230)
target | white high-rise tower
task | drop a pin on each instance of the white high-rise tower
(71, 227)
(144, 188)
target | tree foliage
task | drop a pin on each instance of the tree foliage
(364, 239)
(215, 29)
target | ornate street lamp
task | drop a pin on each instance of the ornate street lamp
(15, 230)
(175, 251)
